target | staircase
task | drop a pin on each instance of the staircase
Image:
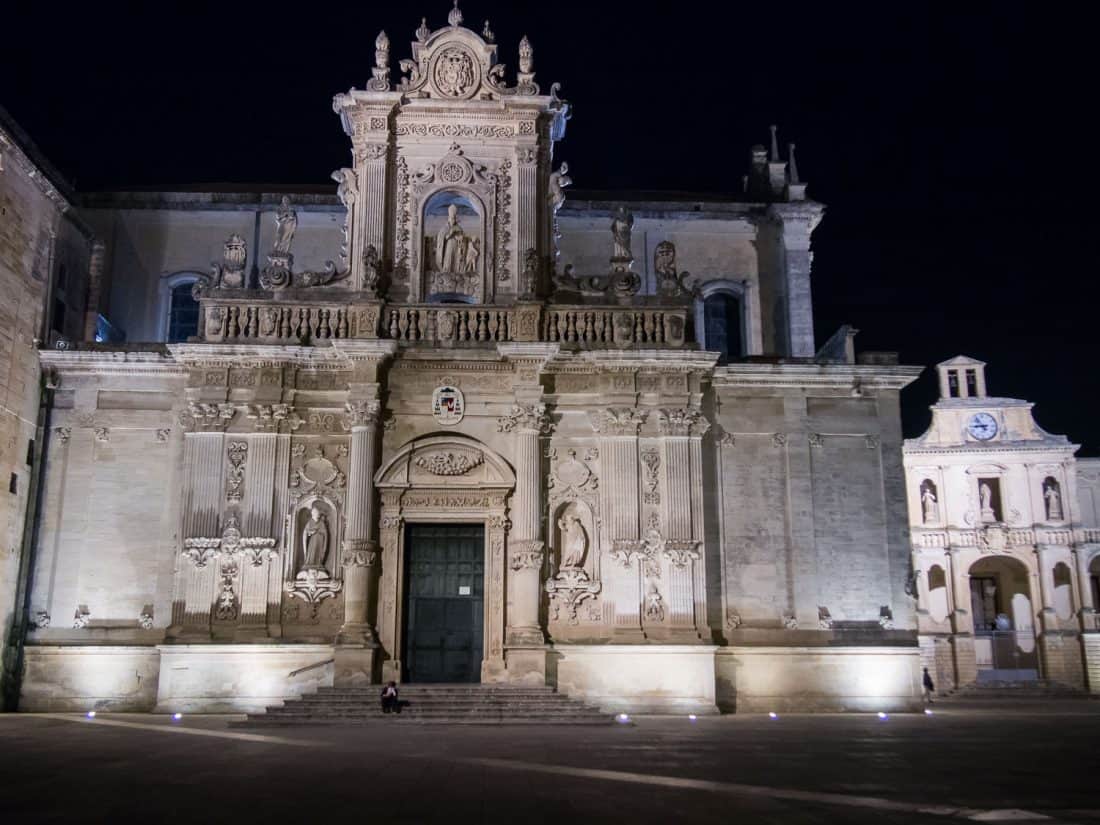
(464, 704)
(1036, 690)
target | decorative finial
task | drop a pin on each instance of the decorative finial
(526, 55)
(423, 31)
(487, 33)
(455, 17)
(793, 168)
(775, 145)
(380, 82)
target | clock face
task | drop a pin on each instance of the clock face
(982, 426)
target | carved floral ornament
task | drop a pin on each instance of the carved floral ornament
(525, 418)
(682, 422)
(449, 462)
(362, 413)
(617, 420)
(201, 416)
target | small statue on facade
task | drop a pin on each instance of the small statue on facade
(654, 604)
(558, 181)
(574, 542)
(372, 271)
(985, 493)
(286, 224)
(670, 281)
(1053, 499)
(473, 252)
(929, 505)
(315, 541)
(621, 227)
(450, 243)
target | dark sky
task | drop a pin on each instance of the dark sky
(948, 141)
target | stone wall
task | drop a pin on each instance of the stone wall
(38, 237)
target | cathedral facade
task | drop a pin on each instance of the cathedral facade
(451, 426)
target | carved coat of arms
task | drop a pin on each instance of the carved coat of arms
(448, 405)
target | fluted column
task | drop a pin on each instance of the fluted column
(526, 548)
(360, 550)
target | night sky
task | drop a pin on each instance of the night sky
(949, 142)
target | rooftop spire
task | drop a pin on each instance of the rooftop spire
(775, 142)
(487, 33)
(793, 165)
(455, 17)
(422, 31)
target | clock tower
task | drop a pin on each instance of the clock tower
(1000, 562)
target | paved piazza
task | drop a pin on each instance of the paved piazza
(957, 765)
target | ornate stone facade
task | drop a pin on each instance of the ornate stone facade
(653, 513)
(1005, 560)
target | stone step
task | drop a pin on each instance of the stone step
(435, 703)
(262, 722)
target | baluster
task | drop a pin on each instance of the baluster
(494, 325)
(403, 325)
(481, 336)
(639, 327)
(432, 326)
(659, 327)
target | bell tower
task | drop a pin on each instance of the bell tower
(449, 196)
(962, 377)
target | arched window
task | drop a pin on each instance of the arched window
(722, 326)
(183, 312)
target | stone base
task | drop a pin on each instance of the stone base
(526, 665)
(238, 678)
(818, 679)
(353, 665)
(89, 677)
(638, 678)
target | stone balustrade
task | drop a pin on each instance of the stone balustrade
(244, 320)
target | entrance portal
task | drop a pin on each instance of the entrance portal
(444, 612)
(1004, 635)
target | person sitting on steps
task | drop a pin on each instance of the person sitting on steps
(389, 698)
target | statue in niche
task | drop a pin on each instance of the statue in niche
(1053, 498)
(929, 505)
(621, 227)
(574, 542)
(558, 181)
(286, 224)
(450, 244)
(372, 270)
(985, 493)
(315, 540)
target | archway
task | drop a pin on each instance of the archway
(443, 481)
(1003, 611)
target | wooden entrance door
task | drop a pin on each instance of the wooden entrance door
(445, 566)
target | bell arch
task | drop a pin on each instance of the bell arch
(443, 478)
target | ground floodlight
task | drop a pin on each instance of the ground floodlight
(882, 715)
(91, 714)
(772, 714)
(177, 716)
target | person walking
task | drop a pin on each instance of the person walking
(389, 698)
(928, 686)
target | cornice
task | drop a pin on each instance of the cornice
(109, 362)
(206, 355)
(665, 360)
(818, 376)
(912, 447)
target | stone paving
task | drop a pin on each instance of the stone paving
(955, 765)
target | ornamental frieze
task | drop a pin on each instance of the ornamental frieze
(449, 463)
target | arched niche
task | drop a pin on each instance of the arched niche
(565, 535)
(937, 593)
(929, 502)
(473, 192)
(298, 544)
(725, 319)
(1063, 591)
(1054, 507)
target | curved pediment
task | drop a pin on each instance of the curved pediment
(446, 460)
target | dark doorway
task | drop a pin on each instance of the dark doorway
(445, 573)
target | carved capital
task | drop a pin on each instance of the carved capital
(527, 555)
(680, 552)
(267, 417)
(207, 417)
(529, 418)
(682, 421)
(358, 553)
(201, 551)
(362, 414)
(617, 420)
